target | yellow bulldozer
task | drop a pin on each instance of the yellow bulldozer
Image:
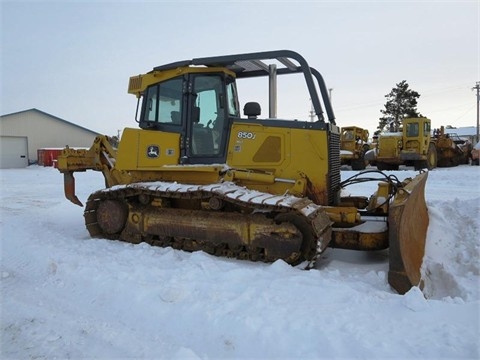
(353, 147)
(197, 175)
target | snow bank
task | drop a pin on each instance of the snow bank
(64, 295)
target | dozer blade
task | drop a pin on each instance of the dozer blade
(69, 188)
(408, 223)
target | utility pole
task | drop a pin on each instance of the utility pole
(477, 87)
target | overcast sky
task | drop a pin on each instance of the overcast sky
(73, 59)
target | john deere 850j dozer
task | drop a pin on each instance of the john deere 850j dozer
(198, 176)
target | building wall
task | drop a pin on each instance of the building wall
(45, 131)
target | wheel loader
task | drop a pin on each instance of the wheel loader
(197, 175)
(412, 145)
(353, 146)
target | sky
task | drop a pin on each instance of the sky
(73, 59)
(64, 295)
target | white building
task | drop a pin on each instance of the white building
(23, 133)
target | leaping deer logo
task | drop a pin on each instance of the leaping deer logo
(153, 151)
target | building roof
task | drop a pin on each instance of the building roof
(462, 131)
(52, 116)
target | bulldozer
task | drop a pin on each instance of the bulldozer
(196, 175)
(411, 145)
(353, 146)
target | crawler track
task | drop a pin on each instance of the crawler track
(220, 219)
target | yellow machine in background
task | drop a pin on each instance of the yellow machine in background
(451, 149)
(196, 175)
(411, 146)
(353, 146)
(415, 146)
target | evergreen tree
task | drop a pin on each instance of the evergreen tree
(401, 104)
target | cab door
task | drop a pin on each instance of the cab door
(207, 119)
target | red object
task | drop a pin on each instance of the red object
(48, 156)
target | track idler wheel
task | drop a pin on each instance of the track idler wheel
(308, 246)
(112, 216)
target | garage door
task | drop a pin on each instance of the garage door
(13, 152)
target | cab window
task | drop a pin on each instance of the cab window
(412, 130)
(163, 102)
(208, 115)
(233, 108)
(426, 128)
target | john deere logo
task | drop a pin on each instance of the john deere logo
(153, 151)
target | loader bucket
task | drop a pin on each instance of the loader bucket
(69, 188)
(408, 223)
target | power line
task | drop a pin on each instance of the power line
(436, 91)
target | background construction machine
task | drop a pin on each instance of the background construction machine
(353, 146)
(451, 149)
(196, 175)
(475, 154)
(411, 146)
(414, 145)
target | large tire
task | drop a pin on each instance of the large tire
(431, 157)
(431, 162)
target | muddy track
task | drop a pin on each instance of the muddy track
(220, 219)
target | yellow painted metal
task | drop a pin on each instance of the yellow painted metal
(346, 235)
(411, 143)
(408, 223)
(351, 239)
(416, 134)
(137, 84)
(249, 176)
(389, 147)
(145, 149)
(353, 139)
(296, 153)
(276, 160)
(100, 157)
(191, 174)
(344, 215)
(381, 199)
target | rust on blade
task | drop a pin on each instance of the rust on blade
(408, 224)
(69, 188)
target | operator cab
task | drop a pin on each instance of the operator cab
(197, 106)
(197, 99)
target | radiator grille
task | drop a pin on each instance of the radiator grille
(334, 168)
(135, 83)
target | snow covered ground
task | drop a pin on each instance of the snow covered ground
(66, 296)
